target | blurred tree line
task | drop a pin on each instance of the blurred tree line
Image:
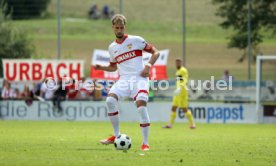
(14, 42)
(235, 15)
(25, 9)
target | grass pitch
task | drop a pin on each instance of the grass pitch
(77, 143)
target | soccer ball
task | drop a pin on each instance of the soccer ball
(122, 142)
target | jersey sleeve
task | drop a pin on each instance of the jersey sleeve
(143, 45)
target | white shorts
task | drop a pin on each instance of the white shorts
(135, 87)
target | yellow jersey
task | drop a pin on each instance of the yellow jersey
(182, 77)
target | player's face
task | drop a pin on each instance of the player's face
(119, 30)
(178, 64)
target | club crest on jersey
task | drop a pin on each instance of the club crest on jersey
(129, 46)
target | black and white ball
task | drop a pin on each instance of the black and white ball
(122, 142)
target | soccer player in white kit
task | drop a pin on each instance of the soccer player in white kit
(126, 56)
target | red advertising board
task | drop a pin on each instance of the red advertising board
(36, 70)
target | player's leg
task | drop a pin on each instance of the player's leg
(144, 122)
(118, 90)
(189, 116)
(140, 96)
(188, 113)
(113, 114)
(172, 118)
(173, 112)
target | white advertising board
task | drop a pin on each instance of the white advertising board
(97, 111)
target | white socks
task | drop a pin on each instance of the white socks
(144, 123)
(113, 114)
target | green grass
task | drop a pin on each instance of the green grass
(155, 10)
(158, 32)
(77, 143)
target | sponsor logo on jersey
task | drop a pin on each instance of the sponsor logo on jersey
(129, 55)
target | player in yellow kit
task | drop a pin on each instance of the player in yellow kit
(180, 99)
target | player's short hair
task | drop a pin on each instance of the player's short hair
(180, 60)
(119, 18)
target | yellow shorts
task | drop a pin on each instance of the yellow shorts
(180, 101)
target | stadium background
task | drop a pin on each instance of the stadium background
(160, 22)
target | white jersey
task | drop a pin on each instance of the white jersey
(128, 55)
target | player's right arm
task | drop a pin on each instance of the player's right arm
(112, 62)
(110, 68)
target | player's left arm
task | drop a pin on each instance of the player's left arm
(155, 54)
